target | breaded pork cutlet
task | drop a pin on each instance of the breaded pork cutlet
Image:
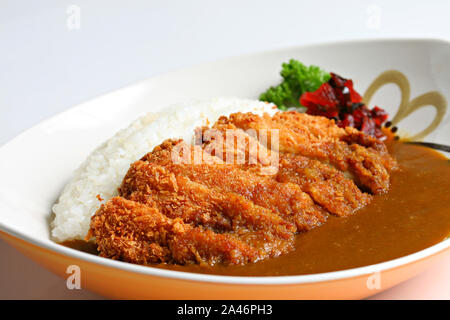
(285, 199)
(327, 186)
(133, 232)
(188, 204)
(177, 196)
(319, 138)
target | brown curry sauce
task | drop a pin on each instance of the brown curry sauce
(414, 215)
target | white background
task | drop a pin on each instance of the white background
(46, 68)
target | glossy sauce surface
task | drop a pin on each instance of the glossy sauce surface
(414, 215)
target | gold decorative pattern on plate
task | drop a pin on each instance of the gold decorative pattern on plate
(407, 106)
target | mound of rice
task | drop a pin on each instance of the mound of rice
(103, 171)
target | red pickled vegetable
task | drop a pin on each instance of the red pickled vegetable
(338, 100)
(321, 102)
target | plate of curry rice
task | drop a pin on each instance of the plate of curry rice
(312, 172)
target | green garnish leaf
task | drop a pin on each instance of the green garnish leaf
(297, 79)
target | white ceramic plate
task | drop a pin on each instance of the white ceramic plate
(36, 165)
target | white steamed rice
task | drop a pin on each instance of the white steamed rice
(103, 171)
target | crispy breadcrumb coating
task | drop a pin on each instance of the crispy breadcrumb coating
(133, 232)
(284, 199)
(320, 139)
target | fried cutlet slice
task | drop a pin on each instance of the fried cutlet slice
(320, 125)
(236, 146)
(325, 128)
(286, 199)
(320, 139)
(354, 136)
(176, 195)
(133, 232)
(327, 186)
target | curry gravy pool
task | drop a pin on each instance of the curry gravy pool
(414, 215)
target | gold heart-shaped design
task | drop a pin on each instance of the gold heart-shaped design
(432, 98)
